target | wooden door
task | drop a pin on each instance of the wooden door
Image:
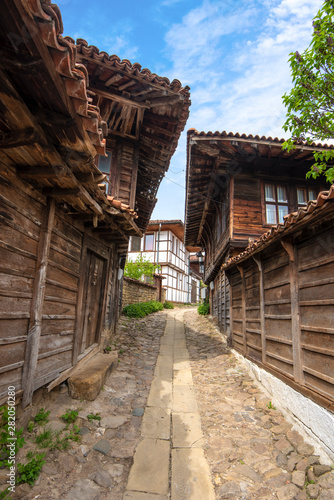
(93, 302)
(193, 292)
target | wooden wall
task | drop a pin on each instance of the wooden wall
(22, 212)
(282, 312)
(247, 218)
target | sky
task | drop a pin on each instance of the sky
(233, 54)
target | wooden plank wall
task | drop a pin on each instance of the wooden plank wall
(282, 312)
(247, 210)
(20, 232)
(21, 213)
(61, 295)
(316, 295)
(222, 294)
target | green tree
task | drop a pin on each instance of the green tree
(310, 103)
(140, 268)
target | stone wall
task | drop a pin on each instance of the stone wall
(135, 292)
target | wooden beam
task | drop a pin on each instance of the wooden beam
(47, 172)
(113, 79)
(243, 307)
(160, 130)
(292, 251)
(118, 98)
(258, 261)
(36, 309)
(17, 138)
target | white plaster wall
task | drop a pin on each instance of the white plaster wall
(310, 419)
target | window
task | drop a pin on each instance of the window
(135, 244)
(304, 195)
(105, 166)
(276, 202)
(149, 242)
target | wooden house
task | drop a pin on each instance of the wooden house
(163, 244)
(282, 297)
(238, 187)
(85, 140)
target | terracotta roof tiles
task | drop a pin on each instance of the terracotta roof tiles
(194, 132)
(63, 52)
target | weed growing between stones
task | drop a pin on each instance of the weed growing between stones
(45, 438)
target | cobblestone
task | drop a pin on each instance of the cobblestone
(251, 450)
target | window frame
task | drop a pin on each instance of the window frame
(275, 203)
(138, 240)
(145, 242)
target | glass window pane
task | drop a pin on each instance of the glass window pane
(135, 245)
(282, 211)
(149, 240)
(312, 194)
(105, 163)
(271, 214)
(269, 192)
(281, 194)
(301, 196)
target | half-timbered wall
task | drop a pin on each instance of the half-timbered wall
(282, 312)
(172, 255)
(59, 298)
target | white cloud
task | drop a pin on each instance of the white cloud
(235, 60)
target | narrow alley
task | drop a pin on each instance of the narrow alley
(180, 419)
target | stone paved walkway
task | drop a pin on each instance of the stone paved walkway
(181, 419)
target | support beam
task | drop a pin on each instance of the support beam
(292, 251)
(259, 264)
(36, 309)
(243, 307)
(17, 138)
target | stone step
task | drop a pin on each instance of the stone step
(87, 382)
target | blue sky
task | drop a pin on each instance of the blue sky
(233, 54)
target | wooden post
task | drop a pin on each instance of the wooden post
(36, 310)
(258, 261)
(291, 250)
(225, 308)
(243, 305)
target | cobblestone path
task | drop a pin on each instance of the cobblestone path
(249, 449)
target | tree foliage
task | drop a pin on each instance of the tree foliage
(310, 103)
(140, 268)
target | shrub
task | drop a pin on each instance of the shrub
(203, 308)
(142, 309)
(168, 305)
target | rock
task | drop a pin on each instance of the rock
(282, 461)
(138, 412)
(302, 465)
(122, 449)
(281, 429)
(326, 495)
(113, 422)
(305, 449)
(229, 490)
(292, 461)
(288, 492)
(284, 446)
(319, 470)
(83, 490)
(84, 430)
(115, 470)
(50, 470)
(310, 476)
(102, 478)
(298, 478)
(86, 383)
(313, 490)
(327, 480)
(302, 495)
(103, 446)
(313, 459)
(295, 438)
(246, 471)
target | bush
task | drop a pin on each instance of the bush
(203, 308)
(168, 305)
(142, 309)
